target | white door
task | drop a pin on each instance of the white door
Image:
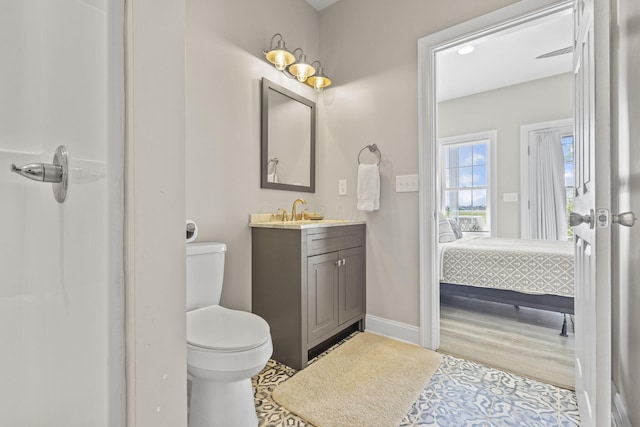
(592, 240)
(61, 281)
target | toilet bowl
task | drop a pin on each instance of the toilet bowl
(225, 347)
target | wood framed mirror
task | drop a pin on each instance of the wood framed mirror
(288, 140)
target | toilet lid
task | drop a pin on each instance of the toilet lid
(223, 329)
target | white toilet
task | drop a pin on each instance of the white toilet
(225, 348)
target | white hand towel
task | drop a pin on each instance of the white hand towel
(368, 187)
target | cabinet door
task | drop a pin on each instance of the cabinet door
(322, 295)
(351, 279)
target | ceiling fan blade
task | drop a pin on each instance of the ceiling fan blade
(556, 52)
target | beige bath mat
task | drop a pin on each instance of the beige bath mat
(368, 381)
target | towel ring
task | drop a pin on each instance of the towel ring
(372, 148)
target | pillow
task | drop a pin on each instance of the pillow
(445, 233)
(456, 229)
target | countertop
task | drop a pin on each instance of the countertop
(263, 221)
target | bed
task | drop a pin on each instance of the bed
(528, 273)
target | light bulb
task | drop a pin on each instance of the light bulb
(280, 61)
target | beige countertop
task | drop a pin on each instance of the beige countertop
(263, 221)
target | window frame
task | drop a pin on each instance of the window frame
(491, 137)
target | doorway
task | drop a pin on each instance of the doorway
(455, 109)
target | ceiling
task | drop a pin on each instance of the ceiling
(321, 4)
(507, 58)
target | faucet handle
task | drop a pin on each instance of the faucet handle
(284, 213)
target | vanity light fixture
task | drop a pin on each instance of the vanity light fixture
(279, 56)
(300, 68)
(319, 80)
(296, 66)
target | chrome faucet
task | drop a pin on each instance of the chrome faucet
(294, 215)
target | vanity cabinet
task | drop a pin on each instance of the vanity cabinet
(309, 285)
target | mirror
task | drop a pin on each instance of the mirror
(288, 154)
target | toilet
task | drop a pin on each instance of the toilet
(225, 347)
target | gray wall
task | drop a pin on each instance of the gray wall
(224, 66)
(369, 49)
(505, 110)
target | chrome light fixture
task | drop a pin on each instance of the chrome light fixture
(296, 66)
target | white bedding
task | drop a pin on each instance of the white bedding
(529, 266)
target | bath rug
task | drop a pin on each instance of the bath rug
(370, 380)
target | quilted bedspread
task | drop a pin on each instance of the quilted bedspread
(529, 266)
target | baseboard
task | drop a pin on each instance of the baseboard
(393, 329)
(619, 416)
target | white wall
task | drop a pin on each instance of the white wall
(155, 215)
(505, 110)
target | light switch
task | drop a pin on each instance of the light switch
(342, 187)
(510, 197)
(406, 183)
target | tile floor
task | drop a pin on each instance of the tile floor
(461, 393)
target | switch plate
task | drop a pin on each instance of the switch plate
(510, 197)
(406, 183)
(342, 187)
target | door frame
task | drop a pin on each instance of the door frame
(517, 14)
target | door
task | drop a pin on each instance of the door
(592, 192)
(61, 281)
(322, 295)
(351, 282)
(626, 240)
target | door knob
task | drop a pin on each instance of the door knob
(626, 219)
(42, 172)
(56, 173)
(576, 219)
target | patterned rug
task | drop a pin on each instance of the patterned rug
(368, 381)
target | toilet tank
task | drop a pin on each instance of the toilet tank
(205, 272)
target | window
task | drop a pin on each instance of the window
(531, 216)
(567, 153)
(466, 181)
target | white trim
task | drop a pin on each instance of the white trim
(522, 12)
(492, 164)
(619, 414)
(393, 329)
(115, 146)
(525, 130)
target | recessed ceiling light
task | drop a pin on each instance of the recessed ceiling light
(466, 50)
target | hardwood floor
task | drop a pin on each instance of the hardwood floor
(523, 341)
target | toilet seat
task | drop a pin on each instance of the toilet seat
(219, 329)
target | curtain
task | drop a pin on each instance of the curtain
(548, 210)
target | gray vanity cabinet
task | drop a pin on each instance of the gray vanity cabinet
(335, 289)
(309, 285)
